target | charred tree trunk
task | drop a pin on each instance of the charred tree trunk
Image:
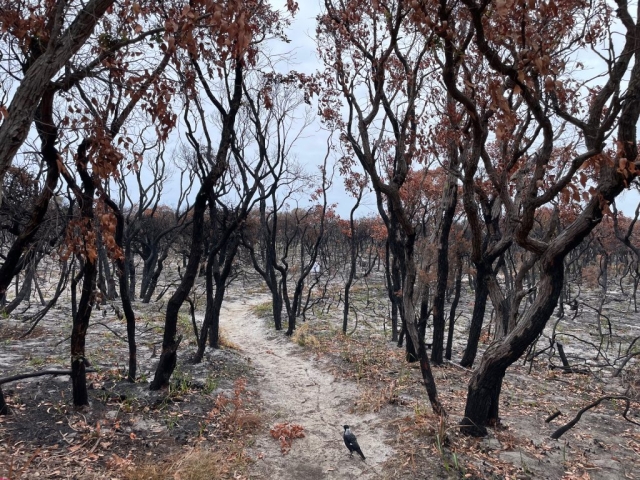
(477, 317)
(221, 278)
(215, 277)
(449, 210)
(131, 271)
(147, 272)
(49, 134)
(123, 280)
(89, 273)
(482, 407)
(392, 276)
(454, 306)
(170, 341)
(24, 292)
(413, 330)
(353, 254)
(153, 282)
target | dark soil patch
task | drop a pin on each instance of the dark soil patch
(45, 437)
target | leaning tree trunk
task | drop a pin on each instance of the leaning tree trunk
(454, 306)
(170, 340)
(16, 126)
(153, 282)
(14, 259)
(221, 276)
(25, 290)
(147, 273)
(477, 317)
(482, 407)
(412, 327)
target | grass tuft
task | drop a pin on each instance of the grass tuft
(198, 464)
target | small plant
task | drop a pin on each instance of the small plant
(223, 341)
(36, 361)
(210, 385)
(303, 338)
(184, 321)
(231, 414)
(172, 421)
(181, 383)
(449, 461)
(263, 310)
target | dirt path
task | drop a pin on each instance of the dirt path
(297, 389)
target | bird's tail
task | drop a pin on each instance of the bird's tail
(361, 454)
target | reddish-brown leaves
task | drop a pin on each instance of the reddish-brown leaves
(285, 433)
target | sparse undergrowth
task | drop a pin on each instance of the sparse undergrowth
(518, 448)
(197, 428)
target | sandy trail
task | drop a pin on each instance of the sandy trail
(297, 389)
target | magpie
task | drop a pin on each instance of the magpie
(351, 442)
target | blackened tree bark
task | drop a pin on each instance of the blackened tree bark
(267, 268)
(89, 272)
(605, 109)
(218, 270)
(392, 276)
(448, 211)
(353, 257)
(625, 238)
(454, 305)
(62, 45)
(123, 282)
(25, 290)
(170, 341)
(49, 135)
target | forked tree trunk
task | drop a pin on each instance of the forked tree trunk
(214, 276)
(153, 282)
(170, 340)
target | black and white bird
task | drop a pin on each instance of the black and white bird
(351, 442)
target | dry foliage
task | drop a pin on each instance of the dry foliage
(224, 341)
(231, 413)
(285, 433)
(197, 464)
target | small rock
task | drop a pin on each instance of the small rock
(490, 443)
